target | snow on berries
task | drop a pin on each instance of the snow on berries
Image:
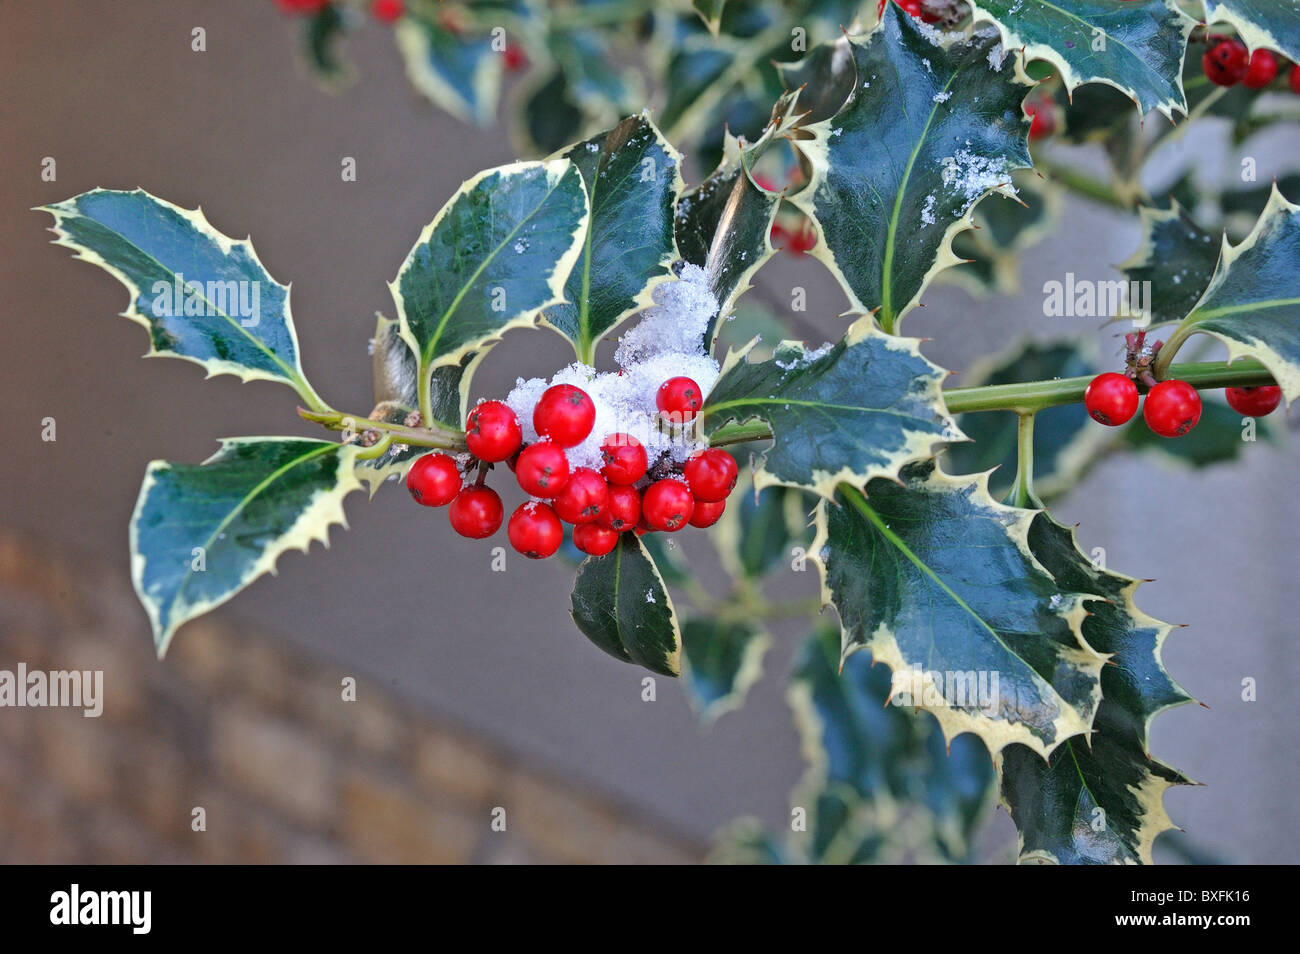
(608, 452)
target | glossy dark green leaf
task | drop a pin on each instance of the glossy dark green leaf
(200, 534)
(1098, 800)
(460, 74)
(723, 660)
(550, 116)
(1136, 46)
(1253, 301)
(824, 77)
(1177, 257)
(202, 295)
(497, 254)
(936, 580)
(1262, 24)
(1066, 440)
(930, 129)
(620, 604)
(859, 409)
(632, 176)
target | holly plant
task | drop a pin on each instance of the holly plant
(896, 152)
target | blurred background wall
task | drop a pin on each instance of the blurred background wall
(475, 690)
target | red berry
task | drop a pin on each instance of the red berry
(711, 474)
(805, 240)
(1040, 109)
(584, 496)
(625, 460)
(434, 480)
(707, 513)
(1294, 79)
(386, 11)
(492, 432)
(1172, 408)
(542, 469)
(1111, 399)
(779, 236)
(667, 505)
(1256, 401)
(623, 510)
(1262, 69)
(476, 512)
(679, 399)
(594, 539)
(515, 59)
(534, 530)
(1226, 63)
(564, 414)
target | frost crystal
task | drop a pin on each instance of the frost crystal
(972, 175)
(927, 211)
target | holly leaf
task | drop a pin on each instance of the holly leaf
(1261, 24)
(991, 250)
(200, 534)
(860, 409)
(201, 295)
(724, 659)
(621, 604)
(1066, 440)
(549, 117)
(322, 36)
(1137, 46)
(937, 581)
(632, 177)
(887, 755)
(497, 254)
(1098, 800)
(1253, 301)
(724, 224)
(1177, 257)
(758, 528)
(459, 74)
(824, 78)
(930, 129)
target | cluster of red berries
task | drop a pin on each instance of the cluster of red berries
(385, 11)
(626, 494)
(912, 8)
(1172, 408)
(1227, 62)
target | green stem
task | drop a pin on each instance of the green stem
(420, 436)
(1082, 184)
(1022, 494)
(1035, 396)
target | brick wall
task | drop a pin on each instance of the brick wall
(260, 737)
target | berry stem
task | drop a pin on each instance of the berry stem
(420, 436)
(1082, 185)
(1035, 396)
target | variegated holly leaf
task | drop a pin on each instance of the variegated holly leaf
(1136, 46)
(991, 250)
(200, 534)
(323, 33)
(723, 660)
(887, 755)
(1177, 257)
(758, 528)
(1253, 301)
(459, 74)
(932, 126)
(824, 78)
(852, 411)
(621, 604)
(632, 176)
(724, 224)
(710, 12)
(1066, 439)
(1262, 24)
(497, 254)
(937, 581)
(1098, 800)
(201, 295)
